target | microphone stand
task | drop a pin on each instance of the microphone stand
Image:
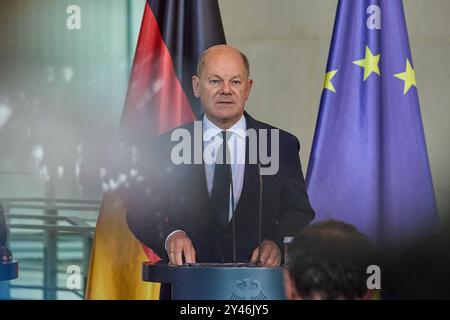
(258, 261)
(232, 214)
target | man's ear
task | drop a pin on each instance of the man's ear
(249, 88)
(290, 287)
(196, 86)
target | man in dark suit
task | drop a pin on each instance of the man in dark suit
(186, 211)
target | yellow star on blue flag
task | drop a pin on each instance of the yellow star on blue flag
(409, 76)
(369, 63)
(327, 84)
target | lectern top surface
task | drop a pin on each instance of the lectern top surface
(219, 265)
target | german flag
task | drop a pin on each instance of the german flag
(173, 34)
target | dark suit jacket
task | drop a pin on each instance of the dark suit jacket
(176, 197)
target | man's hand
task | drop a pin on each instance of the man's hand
(270, 254)
(179, 244)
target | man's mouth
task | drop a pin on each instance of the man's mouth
(225, 102)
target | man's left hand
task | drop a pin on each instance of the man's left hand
(270, 254)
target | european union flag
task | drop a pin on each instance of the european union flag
(369, 164)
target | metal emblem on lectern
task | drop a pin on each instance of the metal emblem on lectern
(248, 289)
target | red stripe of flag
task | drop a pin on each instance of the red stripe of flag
(156, 101)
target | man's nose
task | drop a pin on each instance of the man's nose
(226, 88)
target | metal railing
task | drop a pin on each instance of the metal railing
(50, 220)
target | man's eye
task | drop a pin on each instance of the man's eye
(236, 82)
(214, 81)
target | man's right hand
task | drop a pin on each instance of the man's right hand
(179, 245)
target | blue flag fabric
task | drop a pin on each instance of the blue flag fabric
(369, 164)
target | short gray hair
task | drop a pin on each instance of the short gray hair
(201, 61)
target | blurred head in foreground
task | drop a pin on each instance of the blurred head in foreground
(329, 260)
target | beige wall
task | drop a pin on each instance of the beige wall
(287, 42)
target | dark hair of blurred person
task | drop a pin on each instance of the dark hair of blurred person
(328, 261)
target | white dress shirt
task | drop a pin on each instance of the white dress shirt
(212, 140)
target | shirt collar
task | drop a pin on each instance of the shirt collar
(210, 130)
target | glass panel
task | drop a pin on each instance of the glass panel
(64, 73)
